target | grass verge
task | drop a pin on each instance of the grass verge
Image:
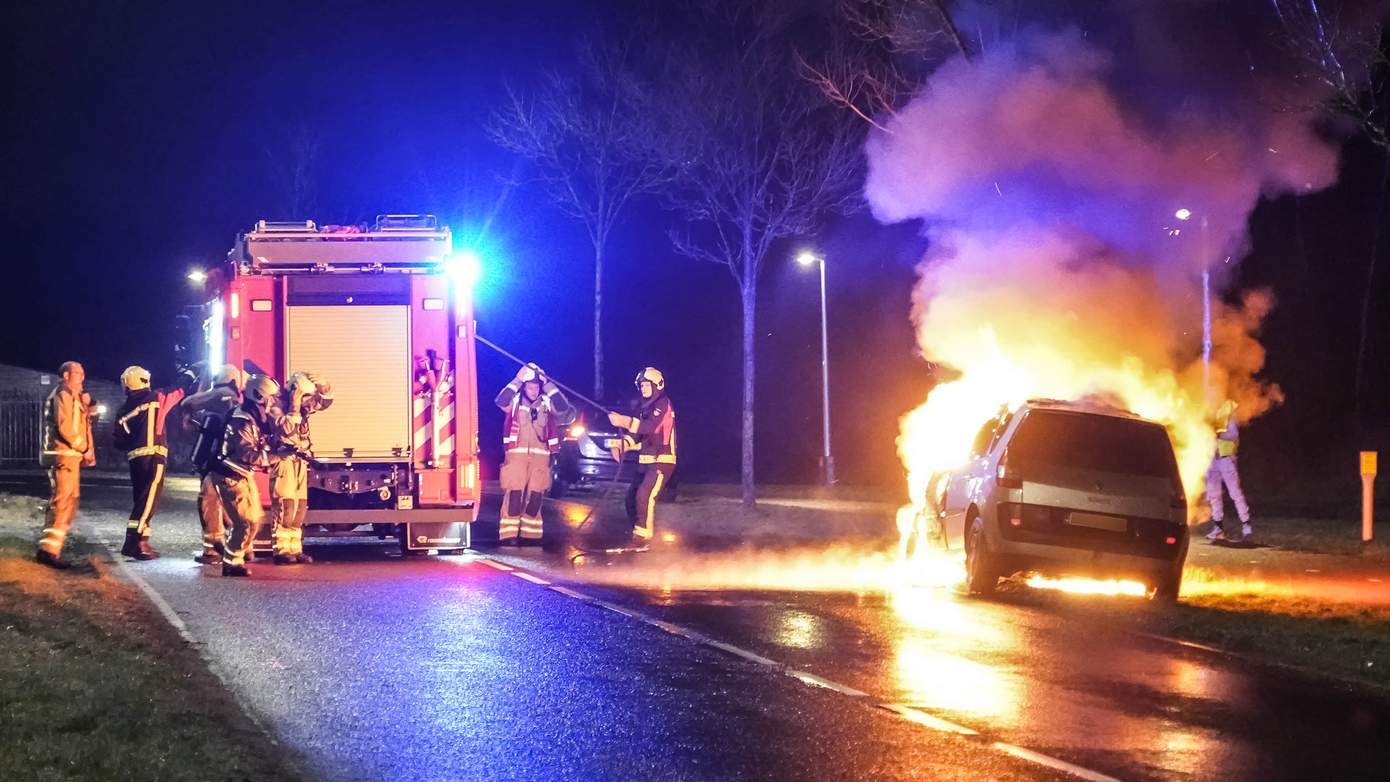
(94, 684)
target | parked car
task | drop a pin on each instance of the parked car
(586, 461)
(1068, 488)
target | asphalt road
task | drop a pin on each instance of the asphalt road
(376, 667)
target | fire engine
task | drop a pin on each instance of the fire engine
(385, 316)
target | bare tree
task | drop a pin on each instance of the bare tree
(882, 53)
(1347, 58)
(584, 136)
(759, 156)
(294, 168)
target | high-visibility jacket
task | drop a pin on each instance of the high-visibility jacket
(1228, 439)
(653, 430)
(290, 428)
(67, 425)
(139, 427)
(244, 447)
(551, 411)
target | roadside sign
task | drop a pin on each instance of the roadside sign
(1368, 463)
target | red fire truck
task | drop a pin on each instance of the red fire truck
(384, 315)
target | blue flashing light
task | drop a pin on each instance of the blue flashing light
(465, 270)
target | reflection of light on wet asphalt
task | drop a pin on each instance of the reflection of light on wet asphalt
(1089, 586)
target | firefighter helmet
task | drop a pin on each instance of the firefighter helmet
(651, 375)
(261, 390)
(302, 382)
(135, 378)
(229, 375)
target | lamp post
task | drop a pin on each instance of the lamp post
(806, 258)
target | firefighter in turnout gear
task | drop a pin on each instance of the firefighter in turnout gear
(209, 410)
(245, 451)
(291, 450)
(653, 433)
(67, 447)
(1223, 473)
(535, 412)
(139, 431)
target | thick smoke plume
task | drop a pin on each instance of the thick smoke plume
(1052, 176)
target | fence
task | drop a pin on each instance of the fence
(21, 435)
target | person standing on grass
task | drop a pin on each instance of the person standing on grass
(67, 448)
(1223, 473)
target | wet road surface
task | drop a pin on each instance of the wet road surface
(382, 668)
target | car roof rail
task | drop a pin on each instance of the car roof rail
(406, 223)
(285, 226)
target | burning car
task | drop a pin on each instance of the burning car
(1067, 489)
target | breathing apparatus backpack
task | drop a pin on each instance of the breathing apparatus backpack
(207, 449)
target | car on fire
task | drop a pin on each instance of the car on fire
(1068, 489)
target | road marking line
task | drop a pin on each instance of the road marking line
(927, 720)
(567, 592)
(744, 653)
(170, 615)
(616, 609)
(497, 565)
(816, 681)
(528, 577)
(1051, 762)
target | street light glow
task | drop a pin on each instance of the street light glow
(1183, 214)
(806, 258)
(197, 276)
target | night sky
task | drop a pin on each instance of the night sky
(142, 139)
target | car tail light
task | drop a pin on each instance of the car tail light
(1171, 540)
(577, 431)
(1008, 478)
(1016, 522)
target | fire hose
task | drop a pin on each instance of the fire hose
(607, 490)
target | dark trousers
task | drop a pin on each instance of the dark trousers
(146, 484)
(641, 497)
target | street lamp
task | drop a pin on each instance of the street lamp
(197, 276)
(806, 258)
(1185, 214)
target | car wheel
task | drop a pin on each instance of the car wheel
(1166, 587)
(981, 571)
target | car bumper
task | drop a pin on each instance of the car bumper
(1066, 560)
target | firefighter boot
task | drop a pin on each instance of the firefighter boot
(228, 569)
(146, 552)
(208, 558)
(131, 547)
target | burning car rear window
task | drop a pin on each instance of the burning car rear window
(1083, 441)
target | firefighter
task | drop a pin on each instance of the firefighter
(139, 431)
(1223, 473)
(291, 451)
(535, 411)
(67, 448)
(653, 433)
(209, 410)
(245, 450)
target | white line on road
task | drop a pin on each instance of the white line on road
(927, 720)
(567, 592)
(816, 681)
(492, 563)
(170, 615)
(528, 577)
(1051, 762)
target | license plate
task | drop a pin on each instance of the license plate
(1098, 521)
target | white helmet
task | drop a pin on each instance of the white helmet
(651, 375)
(302, 382)
(229, 375)
(135, 378)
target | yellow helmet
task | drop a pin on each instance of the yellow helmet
(262, 390)
(135, 378)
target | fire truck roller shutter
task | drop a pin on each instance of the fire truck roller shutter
(364, 351)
